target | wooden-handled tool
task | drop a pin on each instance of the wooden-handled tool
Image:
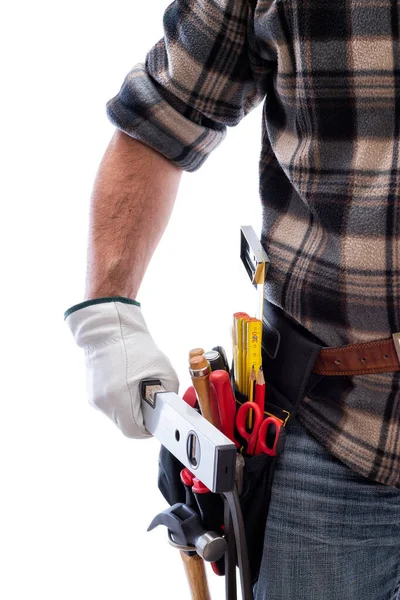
(196, 575)
(194, 565)
(205, 392)
(196, 352)
(200, 373)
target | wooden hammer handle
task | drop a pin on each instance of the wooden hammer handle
(196, 575)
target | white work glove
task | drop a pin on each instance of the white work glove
(119, 354)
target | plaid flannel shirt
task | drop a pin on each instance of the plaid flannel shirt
(328, 74)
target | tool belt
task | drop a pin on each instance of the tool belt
(295, 364)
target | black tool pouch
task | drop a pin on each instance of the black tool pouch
(255, 496)
(288, 355)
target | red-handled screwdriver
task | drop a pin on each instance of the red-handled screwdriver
(226, 403)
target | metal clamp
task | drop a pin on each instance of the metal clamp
(396, 341)
(255, 261)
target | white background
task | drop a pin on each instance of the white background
(76, 496)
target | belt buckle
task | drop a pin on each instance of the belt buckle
(396, 341)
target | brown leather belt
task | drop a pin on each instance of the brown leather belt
(380, 356)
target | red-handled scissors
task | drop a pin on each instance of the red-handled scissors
(257, 439)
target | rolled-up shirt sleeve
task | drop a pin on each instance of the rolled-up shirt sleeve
(205, 74)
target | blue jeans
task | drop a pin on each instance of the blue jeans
(331, 534)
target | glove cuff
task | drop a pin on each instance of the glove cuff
(100, 301)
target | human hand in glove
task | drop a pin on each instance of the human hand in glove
(119, 353)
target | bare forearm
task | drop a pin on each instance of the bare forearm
(132, 201)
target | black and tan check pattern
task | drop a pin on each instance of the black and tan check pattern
(329, 75)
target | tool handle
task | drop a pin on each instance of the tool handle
(241, 424)
(196, 576)
(220, 381)
(202, 387)
(200, 374)
(262, 446)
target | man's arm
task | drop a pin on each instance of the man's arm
(205, 74)
(133, 197)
